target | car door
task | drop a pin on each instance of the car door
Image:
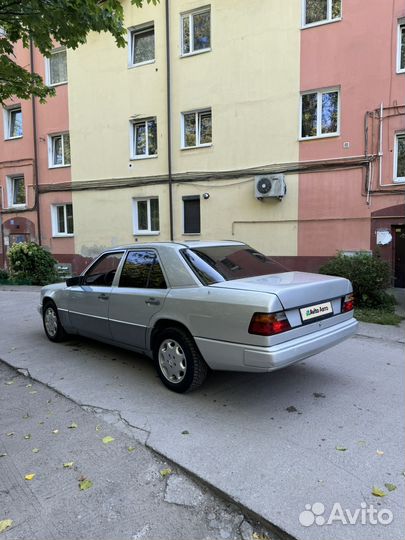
(139, 294)
(88, 302)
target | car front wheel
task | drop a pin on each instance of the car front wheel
(178, 361)
(52, 325)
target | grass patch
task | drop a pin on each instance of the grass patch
(378, 316)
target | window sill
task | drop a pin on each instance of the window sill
(58, 166)
(57, 84)
(17, 207)
(60, 235)
(140, 64)
(317, 137)
(137, 158)
(399, 180)
(208, 145)
(146, 233)
(194, 53)
(400, 71)
(191, 234)
(13, 138)
(320, 23)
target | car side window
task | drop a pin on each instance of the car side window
(102, 273)
(142, 270)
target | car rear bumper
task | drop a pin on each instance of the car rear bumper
(222, 355)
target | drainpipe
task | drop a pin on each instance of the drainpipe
(169, 119)
(34, 130)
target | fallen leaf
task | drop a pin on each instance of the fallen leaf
(30, 476)
(10, 433)
(377, 492)
(33, 392)
(9, 382)
(55, 431)
(185, 432)
(73, 425)
(108, 439)
(98, 428)
(165, 472)
(28, 436)
(390, 487)
(85, 484)
(68, 464)
(41, 423)
(341, 448)
(380, 453)
(131, 448)
(3, 454)
(28, 385)
(35, 450)
(5, 524)
(26, 416)
(257, 536)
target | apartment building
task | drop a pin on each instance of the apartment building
(35, 156)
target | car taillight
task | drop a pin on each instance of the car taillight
(268, 324)
(348, 303)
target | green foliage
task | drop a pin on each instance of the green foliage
(369, 275)
(66, 21)
(3, 274)
(31, 262)
(378, 316)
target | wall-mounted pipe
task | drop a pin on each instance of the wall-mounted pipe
(34, 134)
(169, 119)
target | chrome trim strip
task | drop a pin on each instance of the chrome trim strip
(87, 315)
(130, 323)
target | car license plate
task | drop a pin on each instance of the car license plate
(318, 310)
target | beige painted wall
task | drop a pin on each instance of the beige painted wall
(250, 79)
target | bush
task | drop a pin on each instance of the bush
(31, 263)
(370, 276)
(3, 274)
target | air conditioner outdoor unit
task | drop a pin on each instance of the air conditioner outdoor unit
(270, 185)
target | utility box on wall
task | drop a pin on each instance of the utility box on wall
(270, 186)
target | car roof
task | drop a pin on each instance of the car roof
(191, 244)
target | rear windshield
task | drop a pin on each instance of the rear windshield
(224, 263)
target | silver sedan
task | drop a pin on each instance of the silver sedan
(201, 305)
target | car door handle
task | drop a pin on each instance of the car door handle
(103, 296)
(152, 302)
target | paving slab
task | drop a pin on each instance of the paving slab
(327, 430)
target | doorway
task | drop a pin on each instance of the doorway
(399, 256)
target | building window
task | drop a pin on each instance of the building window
(196, 128)
(59, 150)
(196, 31)
(146, 216)
(321, 11)
(192, 219)
(144, 139)
(401, 48)
(320, 114)
(13, 127)
(56, 67)
(62, 220)
(399, 158)
(142, 45)
(16, 194)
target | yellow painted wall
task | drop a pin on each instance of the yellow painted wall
(250, 79)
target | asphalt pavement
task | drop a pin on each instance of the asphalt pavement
(304, 447)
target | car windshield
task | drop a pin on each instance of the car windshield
(215, 264)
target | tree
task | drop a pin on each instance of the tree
(42, 21)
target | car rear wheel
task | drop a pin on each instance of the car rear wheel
(52, 325)
(178, 361)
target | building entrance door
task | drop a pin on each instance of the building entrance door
(399, 256)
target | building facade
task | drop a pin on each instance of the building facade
(281, 124)
(34, 154)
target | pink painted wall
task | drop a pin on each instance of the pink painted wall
(357, 54)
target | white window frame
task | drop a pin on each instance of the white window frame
(328, 19)
(6, 122)
(132, 138)
(10, 191)
(197, 112)
(132, 31)
(398, 179)
(319, 134)
(54, 220)
(148, 231)
(50, 151)
(190, 15)
(401, 25)
(58, 50)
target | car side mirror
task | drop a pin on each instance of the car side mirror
(73, 281)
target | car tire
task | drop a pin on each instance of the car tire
(179, 363)
(53, 327)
